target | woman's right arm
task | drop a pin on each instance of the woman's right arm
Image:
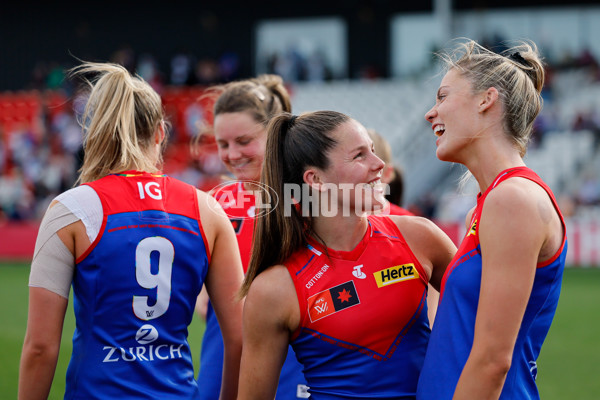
(61, 235)
(271, 313)
(42, 343)
(223, 282)
(432, 247)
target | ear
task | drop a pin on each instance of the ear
(159, 136)
(312, 178)
(488, 98)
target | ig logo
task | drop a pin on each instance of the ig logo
(146, 334)
(358, 273)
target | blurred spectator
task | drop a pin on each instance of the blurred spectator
(16, 196)
(229, 65)
(124, 56)
(194, 119)
(391, 174)
(588, 120)
(289, 64)
(182, 65)
(207, 71)
(147, 68)
(453, 206)
(589, 191)
(317, 69)
(56, 76)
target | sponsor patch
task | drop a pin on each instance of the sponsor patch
(399, 273)
(332, 300)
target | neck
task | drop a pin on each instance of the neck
(251, 186)
(341, 233)
(493, 158)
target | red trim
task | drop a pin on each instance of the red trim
(93, 245)
(392, 225)
(201, 228)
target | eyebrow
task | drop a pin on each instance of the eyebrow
(361, 147)
(441, 87)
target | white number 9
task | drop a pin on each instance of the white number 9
(146, 279)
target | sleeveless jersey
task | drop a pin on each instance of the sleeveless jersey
(364, 329)
(393, 209)
(452, 336)
(135, 290)
(239, 205)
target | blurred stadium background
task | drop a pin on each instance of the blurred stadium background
(372, 59)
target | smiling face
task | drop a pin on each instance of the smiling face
(354, 170)
(455, 117)
(241, 142)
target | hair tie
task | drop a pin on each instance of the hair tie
(518, 58)
(293, 119)
(261, 96)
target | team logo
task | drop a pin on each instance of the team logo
(146, 334)
(358, 273)
(533, 369)
(399, 273)
(302, 391)
(237, 224)
(473, 230)
(332, 300)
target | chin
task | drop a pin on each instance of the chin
(443, 156)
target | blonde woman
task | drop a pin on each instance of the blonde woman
(500, 292)
(137, 247)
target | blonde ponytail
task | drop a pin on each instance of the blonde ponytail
(120, 120)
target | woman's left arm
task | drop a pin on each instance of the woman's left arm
(511, 234)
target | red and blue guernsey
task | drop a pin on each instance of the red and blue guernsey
(452, 336)
(135, 290)
(239, 205)
(364, 328)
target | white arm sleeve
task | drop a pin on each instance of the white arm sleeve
(53, 264)
(83, 201)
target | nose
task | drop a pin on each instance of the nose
(430, 115)
(378, 164)
(233, 152)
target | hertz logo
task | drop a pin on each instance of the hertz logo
(399, 273)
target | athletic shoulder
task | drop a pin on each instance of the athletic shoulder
(514, 198)
(274, 286)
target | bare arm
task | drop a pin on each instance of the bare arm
(223, 283)
(271, 313)
(433, 298)
(202, 304)
(46, 315)
(432, 247)
(511, 235)
(42, 343)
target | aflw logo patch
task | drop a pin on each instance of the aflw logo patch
(399, 273)
(332, 300)
(473, 229)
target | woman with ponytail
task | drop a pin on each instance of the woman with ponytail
(500, 292)
(241, 112)
(346, 289)
(137, 247)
